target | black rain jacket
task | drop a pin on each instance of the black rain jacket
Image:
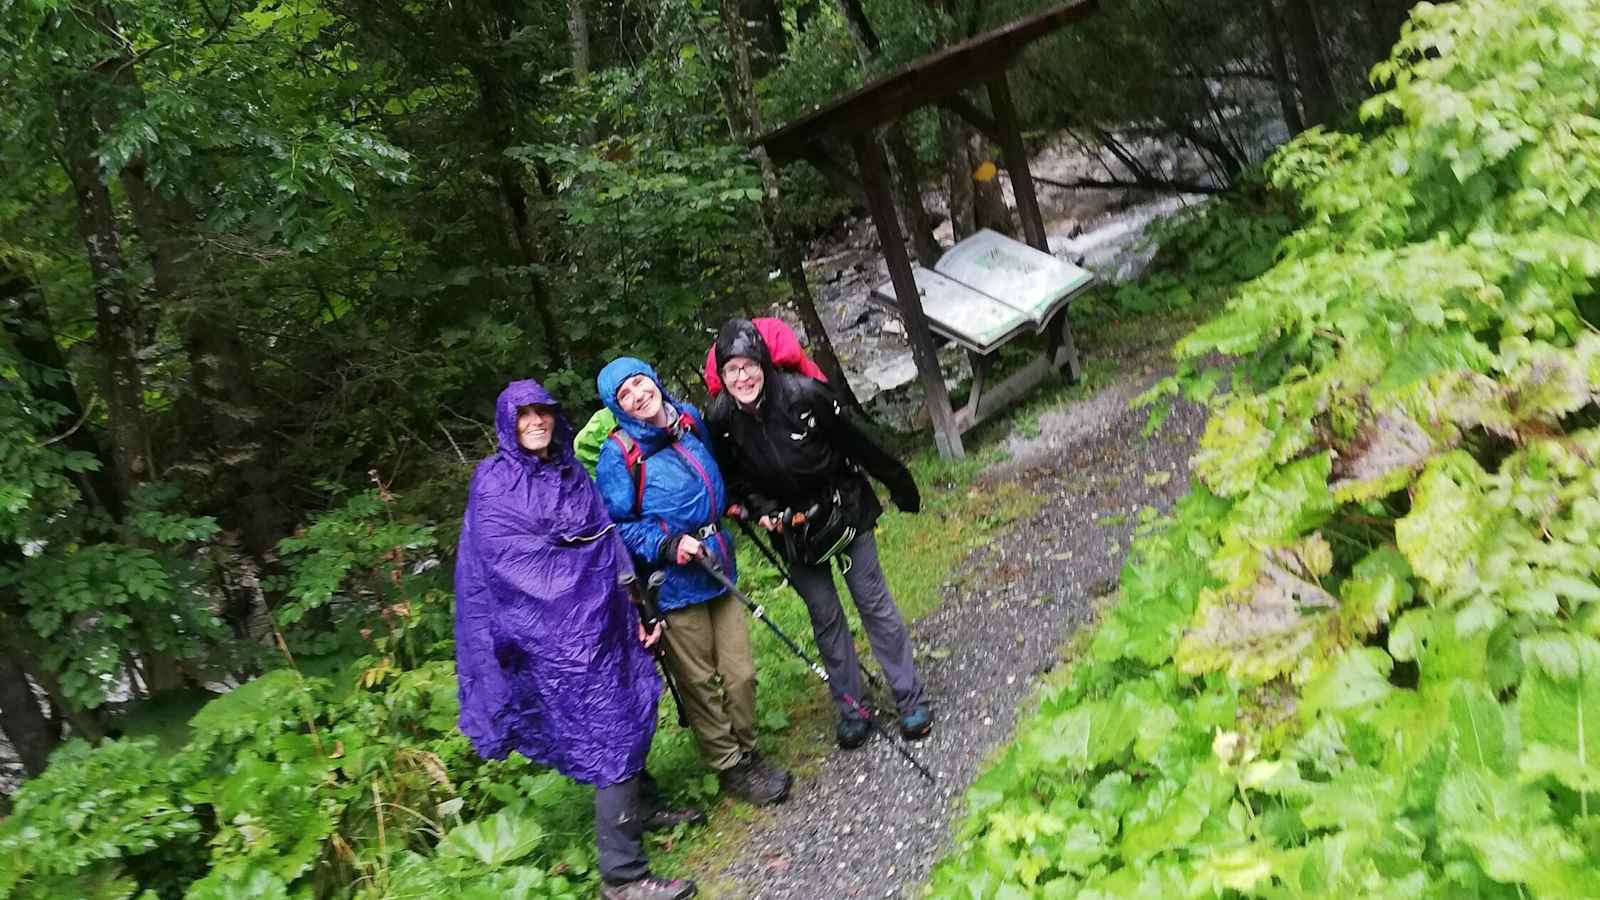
(796, 446)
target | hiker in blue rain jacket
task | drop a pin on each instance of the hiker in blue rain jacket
(661, 485)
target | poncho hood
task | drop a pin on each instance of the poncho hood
(516, 395)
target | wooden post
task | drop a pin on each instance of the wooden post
(880, 202)
(1016, 156)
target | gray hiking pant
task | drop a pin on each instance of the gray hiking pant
(886, 630)
(620, 811)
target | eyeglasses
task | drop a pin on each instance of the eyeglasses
(745, 370)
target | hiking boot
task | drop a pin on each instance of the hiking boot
(754, 782)
(852, 732)
(665, 819)
(916, 724)
(650, 887)
(777, 776)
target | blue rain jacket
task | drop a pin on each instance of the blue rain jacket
(683, 491)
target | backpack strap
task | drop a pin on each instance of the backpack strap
(698, 428)
(633, 461)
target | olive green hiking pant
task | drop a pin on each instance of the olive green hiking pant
(708, 651)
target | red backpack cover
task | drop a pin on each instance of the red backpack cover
(781, 344)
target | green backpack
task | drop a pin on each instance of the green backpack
(592, 437)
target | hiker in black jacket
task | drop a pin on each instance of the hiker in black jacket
(798, 467)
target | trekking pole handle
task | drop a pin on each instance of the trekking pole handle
(650, 613)
(799, 517)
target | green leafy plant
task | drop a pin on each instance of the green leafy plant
(1359, 658)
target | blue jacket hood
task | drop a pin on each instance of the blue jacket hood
(650, 437)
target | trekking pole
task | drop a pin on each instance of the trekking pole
(758, 611)
(750, 532)
(650, 616)
(783, 572)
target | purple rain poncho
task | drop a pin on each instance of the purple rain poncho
(547, 649)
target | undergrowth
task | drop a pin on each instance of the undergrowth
(1362, 656)
(340, 773)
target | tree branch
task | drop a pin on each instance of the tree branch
(1143, 184)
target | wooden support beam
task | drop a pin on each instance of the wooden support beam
(1060, 349)
(1016, 156)
(1063, 350)
(880, 202)
(1005, 393)
(927, 80)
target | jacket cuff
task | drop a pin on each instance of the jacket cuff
(666, 551)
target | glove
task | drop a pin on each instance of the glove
(907, 499)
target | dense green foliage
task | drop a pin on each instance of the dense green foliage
(1362, 657)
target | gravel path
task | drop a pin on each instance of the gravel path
(866, 825)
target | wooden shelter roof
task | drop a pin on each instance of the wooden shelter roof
(929, 79)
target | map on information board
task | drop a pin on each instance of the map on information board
(989, 287)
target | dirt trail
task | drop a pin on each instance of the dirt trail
(865, 824)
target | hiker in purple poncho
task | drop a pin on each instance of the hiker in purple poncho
(550, 654)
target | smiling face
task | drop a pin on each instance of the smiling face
(744, 379)
(641, 398)
(536, 425)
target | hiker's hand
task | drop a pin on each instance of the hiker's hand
(648, 639)
(771, 523)
(907, 500)
(735, 511)
(689, 548)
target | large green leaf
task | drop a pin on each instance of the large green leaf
(495, 840)
(1559, 702)
(1172, 814)
(1358, 678)
(1448, 517)
(1479, 726)
(1264, 630)
(1511, 834)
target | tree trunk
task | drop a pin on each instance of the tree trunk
(116, 312)
(855, 18)
(913, 217)
(1311, 63)
(224, 415)
(578, 38)
(902, 160)
(953, 133)
(83, 723)
(578, 34)
(745, 120)
(989, 204)
(1388, 17)
(497, 115)
(33, 335)
(31, 733)
(770, 14)
(805, 11)
(1280, 69)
